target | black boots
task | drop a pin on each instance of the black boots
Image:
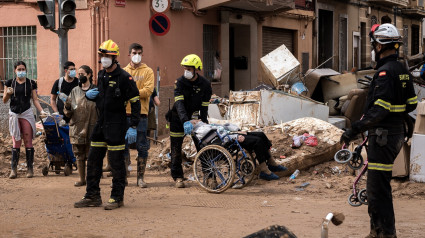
(30, 162)
(14, 163)
(141, 166)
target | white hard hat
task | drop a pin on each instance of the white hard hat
(385, 34)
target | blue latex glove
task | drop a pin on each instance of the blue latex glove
(62, 96)
(92, 93)
(188, 127)
(131, 135)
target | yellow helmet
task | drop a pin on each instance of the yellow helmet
(109, 47)
(192, 60)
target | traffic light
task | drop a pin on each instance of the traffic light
(67, 18)
(47, 20)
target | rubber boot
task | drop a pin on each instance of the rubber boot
(14, 163)
(141, 167)
(30, 162)
(127, 163)
(81, 166)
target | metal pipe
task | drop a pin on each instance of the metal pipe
(325, 225)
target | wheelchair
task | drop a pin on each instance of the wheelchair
(221, 163)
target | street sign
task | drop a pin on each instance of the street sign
(120, 3)
(159, 24)
(160, 6)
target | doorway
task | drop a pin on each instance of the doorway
(239, 55)
(325, 37)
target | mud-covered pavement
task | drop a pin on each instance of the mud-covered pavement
(43, 207)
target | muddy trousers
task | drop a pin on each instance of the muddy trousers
(381, 159)
(94, 170)
(176, 154)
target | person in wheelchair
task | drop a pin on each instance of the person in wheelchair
(256, 142)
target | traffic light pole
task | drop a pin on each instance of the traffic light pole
(63, 49)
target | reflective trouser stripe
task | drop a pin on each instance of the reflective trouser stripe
(98, 144)
(176, 134)
(116, 147)
(381, 167)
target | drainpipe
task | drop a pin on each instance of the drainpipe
(315, 41)
(107, 19)
(93, 43)
(102, 25)
(97, 36)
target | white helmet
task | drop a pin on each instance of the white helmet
(385, 34)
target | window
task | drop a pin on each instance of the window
(211, 58)
(18, 43)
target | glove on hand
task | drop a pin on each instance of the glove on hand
(188, 127)
(92, 93)
(10, 90)
(347, 136)
(62, 96)
(131, 135)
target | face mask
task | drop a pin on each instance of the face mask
(373, 56)
(136, 58)
(21, 74)
(72, 73)
(106, 62)
(188, 74)
(82, 79)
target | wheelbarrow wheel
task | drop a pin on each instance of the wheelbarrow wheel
(45, 171)
(67, 170)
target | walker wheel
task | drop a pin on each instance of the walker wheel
(362, 196)
(356, 162)
(354, 201)
(343, 156)
(45, 170)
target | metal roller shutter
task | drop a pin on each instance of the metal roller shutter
(275, 37)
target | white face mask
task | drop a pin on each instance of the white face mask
(106, 62)
(136, 58)
(188, 74)
(373, 56)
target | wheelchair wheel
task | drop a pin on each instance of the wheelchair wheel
(356, 162)
(343, 156)
(45, 170)
(354, 200)
(245, 172)
(214, 169)
(362, 196)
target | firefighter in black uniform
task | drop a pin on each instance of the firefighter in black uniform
(391, 96)
(192, 96)
(115, 88)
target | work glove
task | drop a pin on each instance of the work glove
(92, 93)
(188, 127)
(62, 96)
(10, 90)
(347, 136)
(131, 135)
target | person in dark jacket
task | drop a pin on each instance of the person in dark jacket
(192, 96)
(391, 96)
(115, 88)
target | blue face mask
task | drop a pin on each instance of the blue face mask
(72, 73)
(21, 74)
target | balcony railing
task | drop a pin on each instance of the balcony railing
(396, 3)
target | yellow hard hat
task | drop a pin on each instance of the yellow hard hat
(109, 47)
(192, 60)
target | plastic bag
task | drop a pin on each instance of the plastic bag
(310, 140)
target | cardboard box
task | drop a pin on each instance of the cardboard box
(338, 85)
(401, 165)
(417, 158)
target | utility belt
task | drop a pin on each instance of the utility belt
(382, 134)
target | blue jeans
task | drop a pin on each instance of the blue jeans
(142, 142)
